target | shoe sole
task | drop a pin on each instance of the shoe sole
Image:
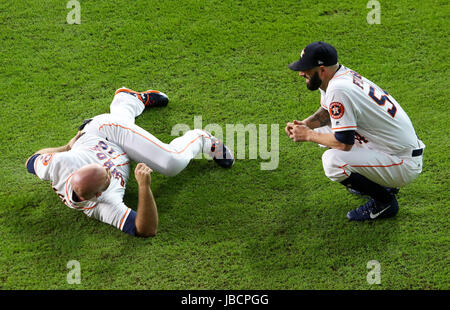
(220, 161)
(127, 90)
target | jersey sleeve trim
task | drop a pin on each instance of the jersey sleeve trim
(346, 136)
(346, 127)
(31, 164)
(122, 221)
(129, 225)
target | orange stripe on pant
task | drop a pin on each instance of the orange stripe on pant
(370, 166)
(161, 147)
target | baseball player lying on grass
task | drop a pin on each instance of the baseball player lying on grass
(374, 149)
(90, 172)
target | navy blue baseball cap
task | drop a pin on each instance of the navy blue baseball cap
(314, 55)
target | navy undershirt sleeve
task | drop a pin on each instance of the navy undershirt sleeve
(130, 224)
(347, 136)
(30, 164)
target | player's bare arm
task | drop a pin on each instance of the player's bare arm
(302, 133)
(318, 119)
(147, 213)
(59, 149)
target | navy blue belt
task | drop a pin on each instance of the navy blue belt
(417, 152)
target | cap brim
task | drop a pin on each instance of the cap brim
(298, 66)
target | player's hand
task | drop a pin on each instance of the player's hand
(73, 140)
(296, 122)
(300, 133)
(290, 126)
(142, 174)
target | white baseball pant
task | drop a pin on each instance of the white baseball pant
(119, 127)
(381, 168)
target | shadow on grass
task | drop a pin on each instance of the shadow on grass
(312, 245)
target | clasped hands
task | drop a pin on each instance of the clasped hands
(298, 131)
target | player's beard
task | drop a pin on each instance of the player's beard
(314, 82)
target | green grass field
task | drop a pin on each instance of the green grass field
(226, 61)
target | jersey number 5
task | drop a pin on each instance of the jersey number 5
(382, 100)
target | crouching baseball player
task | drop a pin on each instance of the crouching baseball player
(90, 172)
(374, 149)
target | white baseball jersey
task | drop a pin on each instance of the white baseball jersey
(385, 137)
(112, 140)
(355, 103)
(59, 168)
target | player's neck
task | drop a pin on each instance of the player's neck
(328, 78)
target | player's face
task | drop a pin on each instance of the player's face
(313, 80)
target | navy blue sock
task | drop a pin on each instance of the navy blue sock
(365, 186)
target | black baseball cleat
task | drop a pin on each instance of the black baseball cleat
(150, 98)
(221, 153)
(373, 209)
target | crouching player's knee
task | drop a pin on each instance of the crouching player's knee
(333, 165)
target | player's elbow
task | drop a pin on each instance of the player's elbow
(347, 147)
(26, 162)
(345, 140)
(344, 147)
(147, 233)
(151, 233)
